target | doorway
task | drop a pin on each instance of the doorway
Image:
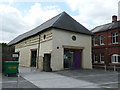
(72, 59)
(33, 58)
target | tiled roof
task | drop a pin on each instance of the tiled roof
(105, 27)
(62, 21)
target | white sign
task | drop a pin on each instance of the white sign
(15, 55)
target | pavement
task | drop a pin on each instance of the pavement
(104, 79)
(67, 79)
(0, 80)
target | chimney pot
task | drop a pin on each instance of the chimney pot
(114, 18)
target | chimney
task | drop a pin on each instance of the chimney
(114, 18)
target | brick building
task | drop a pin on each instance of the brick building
(106, 44)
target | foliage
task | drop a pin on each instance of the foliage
(4, 44)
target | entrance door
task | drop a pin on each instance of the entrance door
(76, 59)
(72, 59)
(33, 58)
(68, 59)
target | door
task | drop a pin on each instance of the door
(33, 58)
(68, 59)
(72, 59)
(76, 59)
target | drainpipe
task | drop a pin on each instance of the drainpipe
(38, 51)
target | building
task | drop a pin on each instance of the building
(66, 41)
(119, 10)
(106, 44)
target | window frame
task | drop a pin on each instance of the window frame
(115, 36)
(95, 41)
(102, 57)
(101, 39)
(95, 58)
(115, 58)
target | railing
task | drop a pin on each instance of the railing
(114, 66)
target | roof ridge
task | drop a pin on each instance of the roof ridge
(58, 18)
(47, 21)
(61, 21)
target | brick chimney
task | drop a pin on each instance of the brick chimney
(114, 18)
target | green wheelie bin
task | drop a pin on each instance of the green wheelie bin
(10, 67)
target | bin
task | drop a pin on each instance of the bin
(10, 67)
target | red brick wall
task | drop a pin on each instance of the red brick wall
(108, 48)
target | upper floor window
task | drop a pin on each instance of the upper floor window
(101, 57)
(115, 58)
(95, 41)
(115, 37)
(101, 38)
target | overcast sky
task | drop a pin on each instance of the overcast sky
(19, 16)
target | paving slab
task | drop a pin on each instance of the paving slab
(0, 80)
(106, 79)
(52, 80)
(16, 82)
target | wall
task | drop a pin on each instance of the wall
(60, 38)
(24, 48)
(54, 38)
(108, 48)
(25, 55)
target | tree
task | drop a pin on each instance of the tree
(4, 44)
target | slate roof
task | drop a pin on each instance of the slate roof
(62, 21)
(105, 27)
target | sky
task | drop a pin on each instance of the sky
(20, 16)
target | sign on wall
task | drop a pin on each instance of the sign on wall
(15, 55)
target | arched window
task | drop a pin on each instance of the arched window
(115, 58)
(95, 41)
(101, 38)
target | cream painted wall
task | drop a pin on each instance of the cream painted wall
(60, 38)
(45, 47)
(56, 38)
(25, 55)
(25, 47)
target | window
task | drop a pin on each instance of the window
(115, 58)
(95, 41)
(44, 36)
(101, 38)
(115, 37)
(95, 58)
(101, 57)
(73, 38)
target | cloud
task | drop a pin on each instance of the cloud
(15, 22)
(11, 22)
(89, 13)
(38, 14)
(92, 13)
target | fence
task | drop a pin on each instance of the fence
(111, 66)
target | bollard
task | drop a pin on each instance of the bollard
(114, 68)
(105, 67)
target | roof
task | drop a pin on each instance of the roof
(61, 21)
(105, 27)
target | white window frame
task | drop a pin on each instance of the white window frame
(94, 41)
(115, 35)
(95, 56)
(113, 60)
(101, 39)
(101, 58)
